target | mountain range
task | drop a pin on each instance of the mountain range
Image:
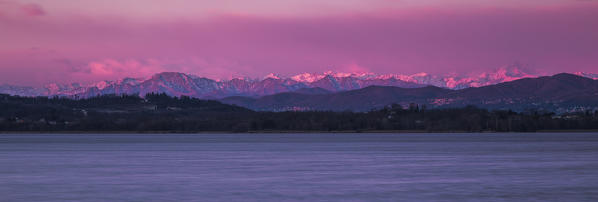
(177, 84)
(507, 87)
(558, 93)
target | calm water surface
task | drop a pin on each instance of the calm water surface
(299, 167)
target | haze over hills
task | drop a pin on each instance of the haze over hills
(559, 93)
(177, 84)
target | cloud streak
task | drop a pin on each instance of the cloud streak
(33, 10)
(15, 9)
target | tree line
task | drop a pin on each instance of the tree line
(163, 113)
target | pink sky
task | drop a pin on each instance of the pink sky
(84, 41)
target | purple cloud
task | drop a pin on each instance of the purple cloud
(33, 10)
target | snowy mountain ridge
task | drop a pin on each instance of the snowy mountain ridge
(177, 84)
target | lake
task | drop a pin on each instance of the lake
(299, 167)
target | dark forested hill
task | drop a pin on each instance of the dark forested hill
(356, 100)
(161, 113)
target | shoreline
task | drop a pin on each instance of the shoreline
(288, 132)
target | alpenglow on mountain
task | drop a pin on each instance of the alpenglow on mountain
(179, 84)
(558, 93)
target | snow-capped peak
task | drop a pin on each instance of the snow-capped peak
(307, 77)
(502, 74)
(102, 84)
(587, 75)
(271, 76)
